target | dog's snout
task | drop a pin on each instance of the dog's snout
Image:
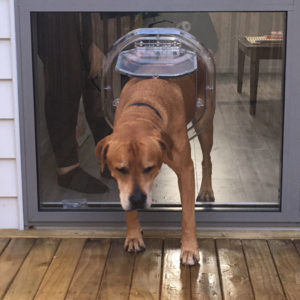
(137, 198)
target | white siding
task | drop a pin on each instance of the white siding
(6, 96)
(8, 175)
(7, 139)
(5, 58)
(11, 207)
(4, 19)
(9, 213)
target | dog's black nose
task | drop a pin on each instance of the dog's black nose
(137, 199)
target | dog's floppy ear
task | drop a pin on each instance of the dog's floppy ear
(166, 143)
(101, 150)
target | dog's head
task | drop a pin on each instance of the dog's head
(134, 162)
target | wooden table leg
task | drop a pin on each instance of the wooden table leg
(254, 69)
(241, 62)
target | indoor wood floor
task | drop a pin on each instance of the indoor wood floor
(86, 269)
(246, 154)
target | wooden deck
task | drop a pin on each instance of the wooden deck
(69, 268)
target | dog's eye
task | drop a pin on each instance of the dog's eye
(123, 170)
(148, 170)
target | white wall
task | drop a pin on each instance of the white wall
(11, 208)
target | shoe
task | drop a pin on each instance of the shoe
(81, 181)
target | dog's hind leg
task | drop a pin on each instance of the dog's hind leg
(206, 193)
(134, 240)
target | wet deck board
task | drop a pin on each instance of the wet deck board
(147, 268)
(51, 268)
(233, 269)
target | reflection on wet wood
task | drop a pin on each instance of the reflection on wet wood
(101, 269)
(205, 283)
(147, 272)
(176, 278)
(235, 278)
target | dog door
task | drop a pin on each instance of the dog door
(157, 53)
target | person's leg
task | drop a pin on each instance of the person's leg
(60, 53)
(94, 113)
(62, 69)
(92, 56)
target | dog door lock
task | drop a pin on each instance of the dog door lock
(74, 203)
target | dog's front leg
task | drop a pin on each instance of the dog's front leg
(134, 240)
(189, 245)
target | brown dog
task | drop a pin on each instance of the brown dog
(149, 129)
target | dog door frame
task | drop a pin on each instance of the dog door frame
(289, 212)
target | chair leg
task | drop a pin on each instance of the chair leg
(241, 62)
(254, 70)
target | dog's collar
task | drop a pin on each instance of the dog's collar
(148, 105)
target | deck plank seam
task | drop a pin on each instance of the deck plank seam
(247, 268)
(131, 276)
(104, 270)
(8, 241)
(42, 279)
(161, 267)
(17, 272)
(72, 276)
(293, 242)
(219, 270)
(190, 280)
(275, 265)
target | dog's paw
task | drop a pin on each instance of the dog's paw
(206, 195)
(134, 243)
(189, 251)
(189, 257)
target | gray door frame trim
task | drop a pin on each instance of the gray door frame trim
(290, 211)
(157, 5)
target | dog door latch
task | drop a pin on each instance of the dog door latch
(74, 203)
